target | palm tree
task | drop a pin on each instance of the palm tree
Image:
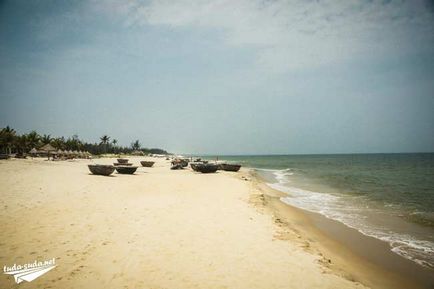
(104, 141)
(135, 145)
(33, 139)
(74, 143)
(59, 143)
(22, 143)
(114, 142)
(7, 138)
(46, 138)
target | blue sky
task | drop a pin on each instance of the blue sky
(223, 77)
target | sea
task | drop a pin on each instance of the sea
(386, 196)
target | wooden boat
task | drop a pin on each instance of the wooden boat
(230, 167)
(181, 162)
(176, 166)
(147, 164)
(103, 170)
(122, 161)
(127, 170)
(4, 156)
(207, 168)
(122, 164)
(194, 166)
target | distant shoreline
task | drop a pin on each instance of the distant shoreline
(307, 154)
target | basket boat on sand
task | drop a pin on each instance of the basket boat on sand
(127, 170)
(147, 164)
(103, 170)
(122, 164)
(207, 168)
(230, 167)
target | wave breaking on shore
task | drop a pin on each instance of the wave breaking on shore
(355, 212)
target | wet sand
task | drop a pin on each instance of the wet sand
(352, 254)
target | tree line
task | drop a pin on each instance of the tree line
(12, 142)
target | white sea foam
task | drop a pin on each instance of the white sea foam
(349, 211)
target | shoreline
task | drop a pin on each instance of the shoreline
(370, 260)
(168, 229)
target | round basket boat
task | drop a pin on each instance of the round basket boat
(122, 161)
(126, 170)
(103, 170)
(207, 168)
(121, 164)
(147, 164)
(194, 166)
(4, 156)
(230, 167)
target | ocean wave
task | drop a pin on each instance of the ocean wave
(353, 213)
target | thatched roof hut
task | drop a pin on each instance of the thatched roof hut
(47, 148)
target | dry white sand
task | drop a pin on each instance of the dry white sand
(155, 229)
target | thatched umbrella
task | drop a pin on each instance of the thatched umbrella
(48, 148)
(33, 151)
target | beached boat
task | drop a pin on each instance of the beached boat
(4, 156)
(182, 162)
(103, 170)
(147, 164)
(176, 166)
(122, 164)
(207, 168)
(194, 166)
(122, 161)
(128, 170)
(20, 156)
(230, 167)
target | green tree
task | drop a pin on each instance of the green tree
(22, 143)
(59, 143)
(105, 141)
(46, 138)
(114, 142)
(74, 143)
(136, 145)
(33, 139)
(7, 138)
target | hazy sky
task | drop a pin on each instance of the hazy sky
(223, 77)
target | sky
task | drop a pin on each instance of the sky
(223, 77)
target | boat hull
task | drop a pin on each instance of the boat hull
(102, 170)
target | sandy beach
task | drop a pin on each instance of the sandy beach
(168, 229)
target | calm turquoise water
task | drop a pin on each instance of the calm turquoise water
(387, 196)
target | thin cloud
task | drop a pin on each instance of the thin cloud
(297, 34)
